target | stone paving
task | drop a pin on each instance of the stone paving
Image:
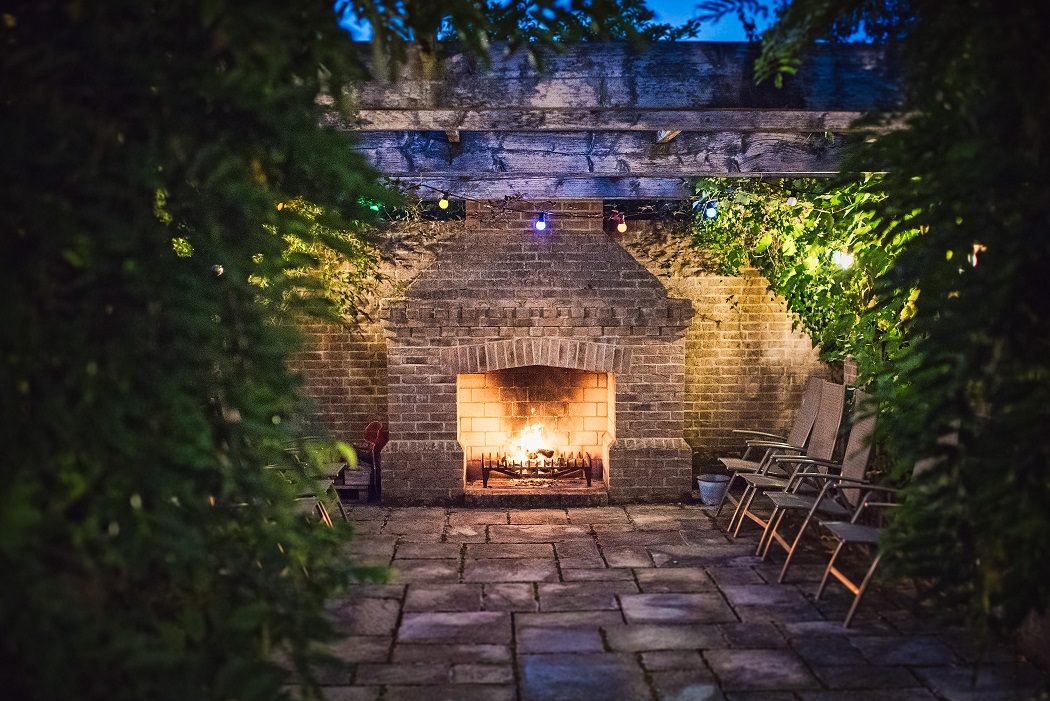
(638, 602)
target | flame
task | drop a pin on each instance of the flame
(531, 439)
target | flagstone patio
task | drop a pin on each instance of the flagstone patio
(638, 602)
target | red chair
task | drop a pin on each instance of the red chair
(376, 436)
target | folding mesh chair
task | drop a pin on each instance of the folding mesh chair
(766, 445)
(836, 488)
(774, 476)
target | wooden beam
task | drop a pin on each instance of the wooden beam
(599, 154)
(615, 76)
(665, 135)
(541, 188)
(698, 120)
(452, 135)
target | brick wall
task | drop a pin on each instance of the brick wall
(745, 364)
(741, 363)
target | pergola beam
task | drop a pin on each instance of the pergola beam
(608, 120)
(652, 120)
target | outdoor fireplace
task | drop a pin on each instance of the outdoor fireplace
(536, 423)
(510, 328)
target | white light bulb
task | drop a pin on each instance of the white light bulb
(843, 258)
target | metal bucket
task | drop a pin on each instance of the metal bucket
(712, 488)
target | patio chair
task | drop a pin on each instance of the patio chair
(821, 445)
(766, 444)
(835, 488)
(368, 451)
(854, 532)
(313, 507)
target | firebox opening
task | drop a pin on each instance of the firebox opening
(538, 425)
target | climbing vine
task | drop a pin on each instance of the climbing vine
(812, 240)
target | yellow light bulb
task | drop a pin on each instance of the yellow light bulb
(443, 203)
(622, 227)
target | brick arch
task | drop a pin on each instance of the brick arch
(519, 352)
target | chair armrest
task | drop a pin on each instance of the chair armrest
(775, 436)
(806, 460)
(773, 444)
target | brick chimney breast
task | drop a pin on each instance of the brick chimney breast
(503, 295)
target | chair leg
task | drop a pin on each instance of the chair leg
(725, 495)
(322, 512)
(827, 570)
(741, 509)
(863, 588)
(794, 545)
(770, 530)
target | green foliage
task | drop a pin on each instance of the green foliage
(339, 266)
(793, 231)
(146, 551)
(150, 543)
(971, 171)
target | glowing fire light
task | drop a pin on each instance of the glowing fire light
(531, 441)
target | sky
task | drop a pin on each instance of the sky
(681, 11)
(673, 12)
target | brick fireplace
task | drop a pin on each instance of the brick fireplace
(511, 327)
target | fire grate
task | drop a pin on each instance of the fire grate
(538, 465)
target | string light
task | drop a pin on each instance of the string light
(792, 201)
(621, 223)
(541, 222)
(711, 209)
(842, 258)
(443, 202)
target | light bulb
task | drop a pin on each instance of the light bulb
(622, 226)
(443, 202)
(711, 210)
(541, 223)
(791, 201)
(842, 258)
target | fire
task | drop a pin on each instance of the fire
(531, 441)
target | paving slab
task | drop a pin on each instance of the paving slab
(412, 653)
(510, 570)
(538, 533)
(581, 677)
(481, 627)
(685, 685)
(578, 554)
(676, 608)
(443, 597)
(482, 551)
(652, 636)
(409, 571)
(566, 639)
(451, 692)
(679, 580)
(510, 596)
(643, 602)
(627, 556)
(583, 596)
(539, 516)
(660, 660)
(596, 574)
(365, 616)
(427, 551)
(760, 669)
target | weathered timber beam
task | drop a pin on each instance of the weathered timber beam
(538, 187)
(665, 135)
(666, 75)
(590, 120)
(565, 154)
